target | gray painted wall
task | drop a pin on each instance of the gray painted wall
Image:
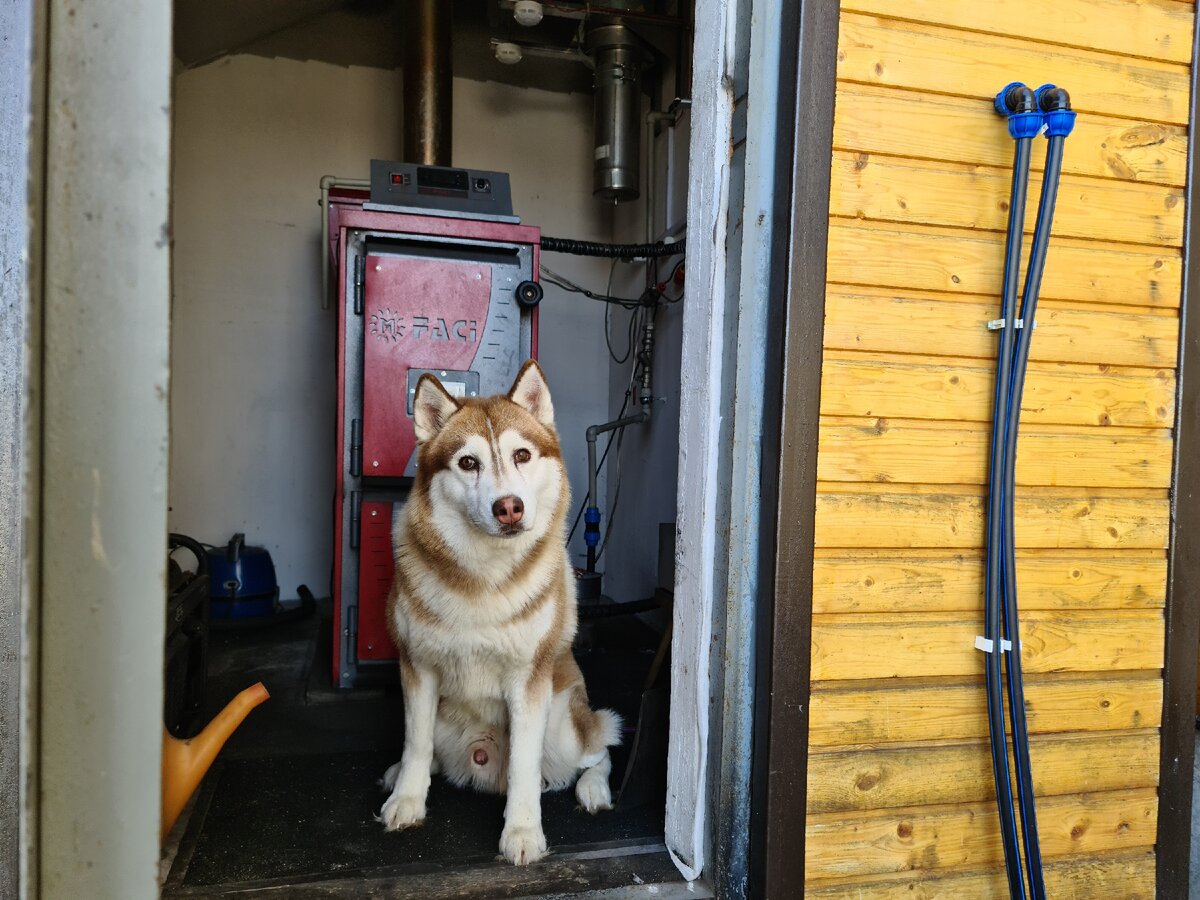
(15, 44)
(253, 397)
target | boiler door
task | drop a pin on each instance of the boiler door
(426, 314)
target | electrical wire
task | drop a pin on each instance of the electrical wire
(566, 284)
(671, 280)
(615, 251)
(612, 509)
(624, 358)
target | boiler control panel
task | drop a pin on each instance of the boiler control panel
(457, 193)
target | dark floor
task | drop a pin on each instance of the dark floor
(289, 804)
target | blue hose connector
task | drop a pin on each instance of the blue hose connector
(1024, 125)
(1055, 104)
(1042, 94)
(1004, 98)
(1060, 122)
(591, 528)
(1019, 104)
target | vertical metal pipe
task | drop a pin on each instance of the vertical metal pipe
(428, 82)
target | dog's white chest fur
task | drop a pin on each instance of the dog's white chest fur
(473, 662)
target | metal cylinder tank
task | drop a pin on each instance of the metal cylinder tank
(618, 59)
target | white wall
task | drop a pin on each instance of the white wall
(650, 455)
(544, 140)
(253, 366)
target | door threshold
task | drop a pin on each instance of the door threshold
(611, 872)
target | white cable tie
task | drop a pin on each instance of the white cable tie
(987, 645)
(995, 324)
(1018, 323)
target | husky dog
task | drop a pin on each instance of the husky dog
(483, 611)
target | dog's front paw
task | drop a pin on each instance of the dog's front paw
(402, 812)
(592, 791)
(523, 844)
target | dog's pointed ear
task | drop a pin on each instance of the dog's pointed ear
(432, 406)
(531, 392)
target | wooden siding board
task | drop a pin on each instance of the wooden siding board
(915, 191)
(956, 260)
(872, 119)
(846, 780)
(913, 387)
(930, 840)
(900, 518)
(917, 452)
(862, 581)
(1153, 29)
(949, 61)
(1127, 878)
(921, 325)
(845, 647)
(843, 714)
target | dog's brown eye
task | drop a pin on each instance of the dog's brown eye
(522, 456)
(468, 464)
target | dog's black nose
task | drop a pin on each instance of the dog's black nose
(508, 510)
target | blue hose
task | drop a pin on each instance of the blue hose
(1055, 105)
(1018, 102)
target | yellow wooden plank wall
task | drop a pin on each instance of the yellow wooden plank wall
(900, 796)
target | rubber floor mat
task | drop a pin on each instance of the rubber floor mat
(294, 817)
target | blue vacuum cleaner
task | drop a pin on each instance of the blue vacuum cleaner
(1029, 113)
(243, 589)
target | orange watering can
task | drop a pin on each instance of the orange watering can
(184, 762)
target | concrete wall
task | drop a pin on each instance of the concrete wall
(252, 351)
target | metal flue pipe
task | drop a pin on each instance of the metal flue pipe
(618, 60)
(428, 82)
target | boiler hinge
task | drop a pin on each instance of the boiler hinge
(360, 270)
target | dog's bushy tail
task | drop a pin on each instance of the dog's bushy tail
(608, 732)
